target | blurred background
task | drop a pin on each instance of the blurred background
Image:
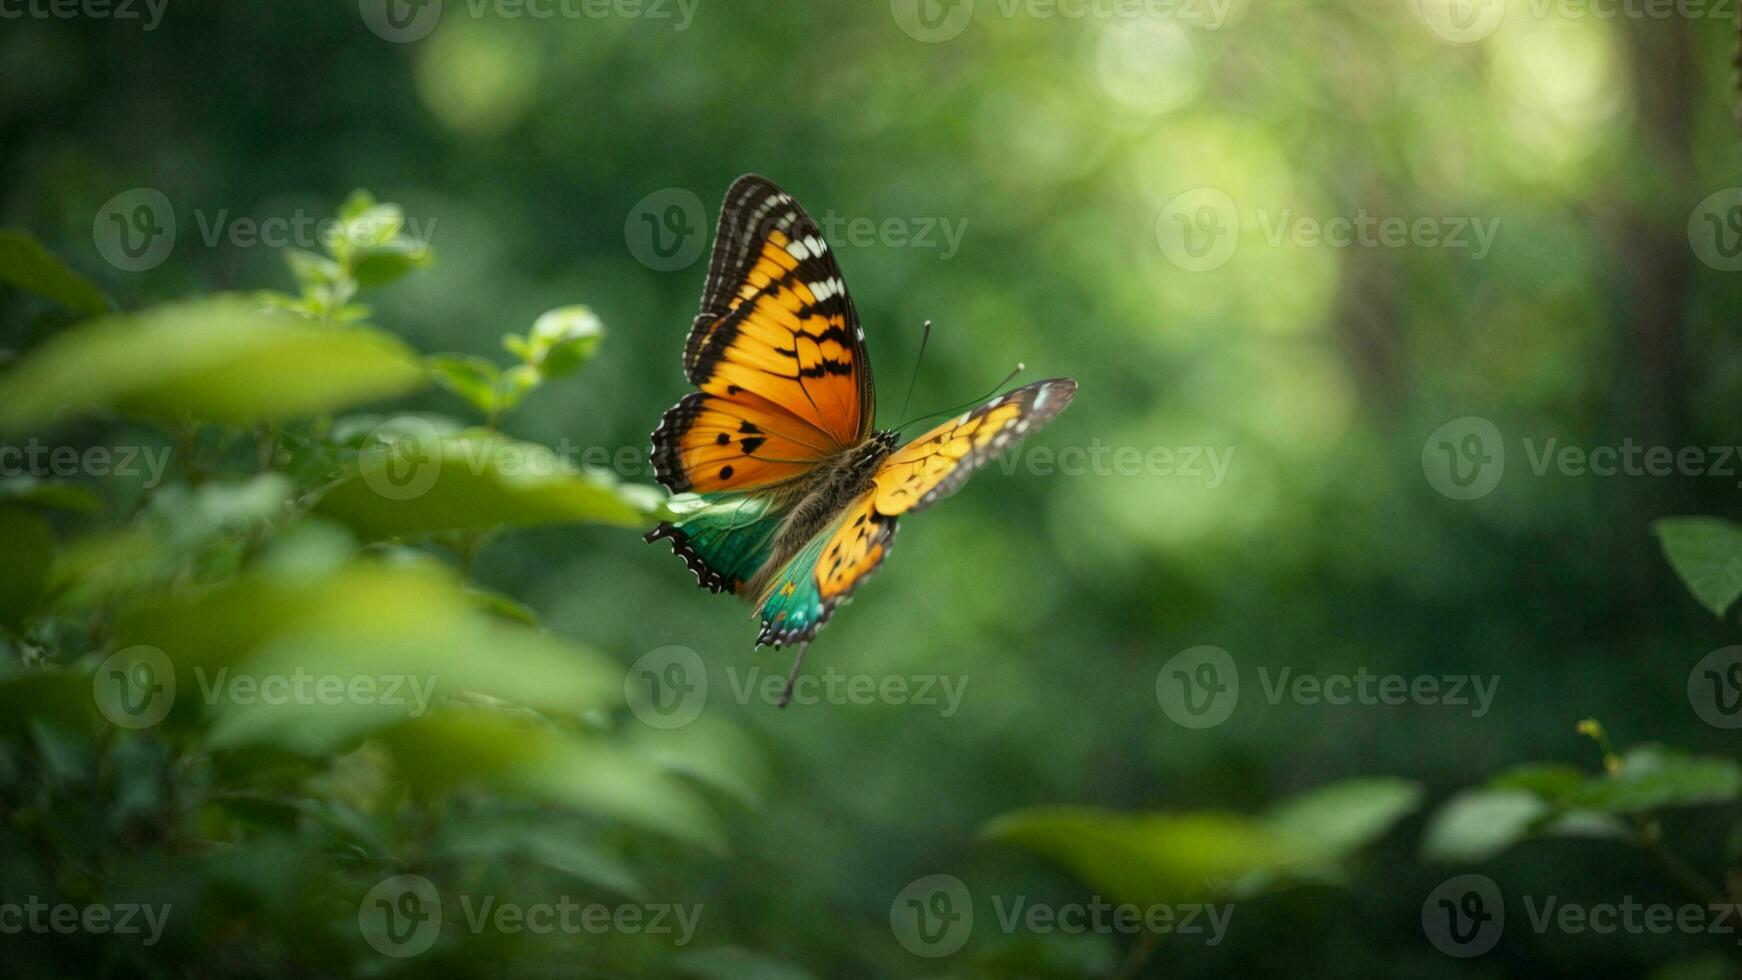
(1300, 239)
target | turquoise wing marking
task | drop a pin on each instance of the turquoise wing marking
(724, 538)
(793, 609)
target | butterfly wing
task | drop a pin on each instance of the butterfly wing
(785, 382)
(822, 576)
(777, 336)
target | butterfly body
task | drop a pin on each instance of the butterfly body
(791, 495)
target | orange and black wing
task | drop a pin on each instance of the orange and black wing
(822, 576)
(777, 352)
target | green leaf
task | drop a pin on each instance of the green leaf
(476, 481)
(1478, 824)
(543, 843)
(490, 750)
(1706, 552)
(1343, 817)
(1552, 781)
(220, 358)
(49, 494)
(710, 751)
(24, 573)
(472, 378)
(563, 340)
(25, 263)
(1156, 858)
(1652, 777)
(733, 963)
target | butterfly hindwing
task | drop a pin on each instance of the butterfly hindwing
(776, 320)
(708, 444)
(824, 574)
(936, 464)
(724, 542)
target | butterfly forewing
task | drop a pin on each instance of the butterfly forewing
(776, 319)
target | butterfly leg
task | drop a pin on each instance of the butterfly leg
(792, 675)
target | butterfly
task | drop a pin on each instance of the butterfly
(791, 495)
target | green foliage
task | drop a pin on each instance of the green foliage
(1706, 552)
(256, 691)
(1171, 858)
(559, 344)
(24, 263)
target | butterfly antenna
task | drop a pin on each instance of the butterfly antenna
(792, 675)
(1020, 367)
(924, 338)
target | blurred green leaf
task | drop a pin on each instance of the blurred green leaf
(733, 963)
(220, 359)
(540, 842)
(1651, 777)
(491, 750)
(1706, 552)
(49, 494)
(1346, 816)
(561, 341)
(480, 480)
(25, 263)
(710, 751)
(472, 378)
(1551, 781)
(1477, 824)
(1157, 858)
(24, 574)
